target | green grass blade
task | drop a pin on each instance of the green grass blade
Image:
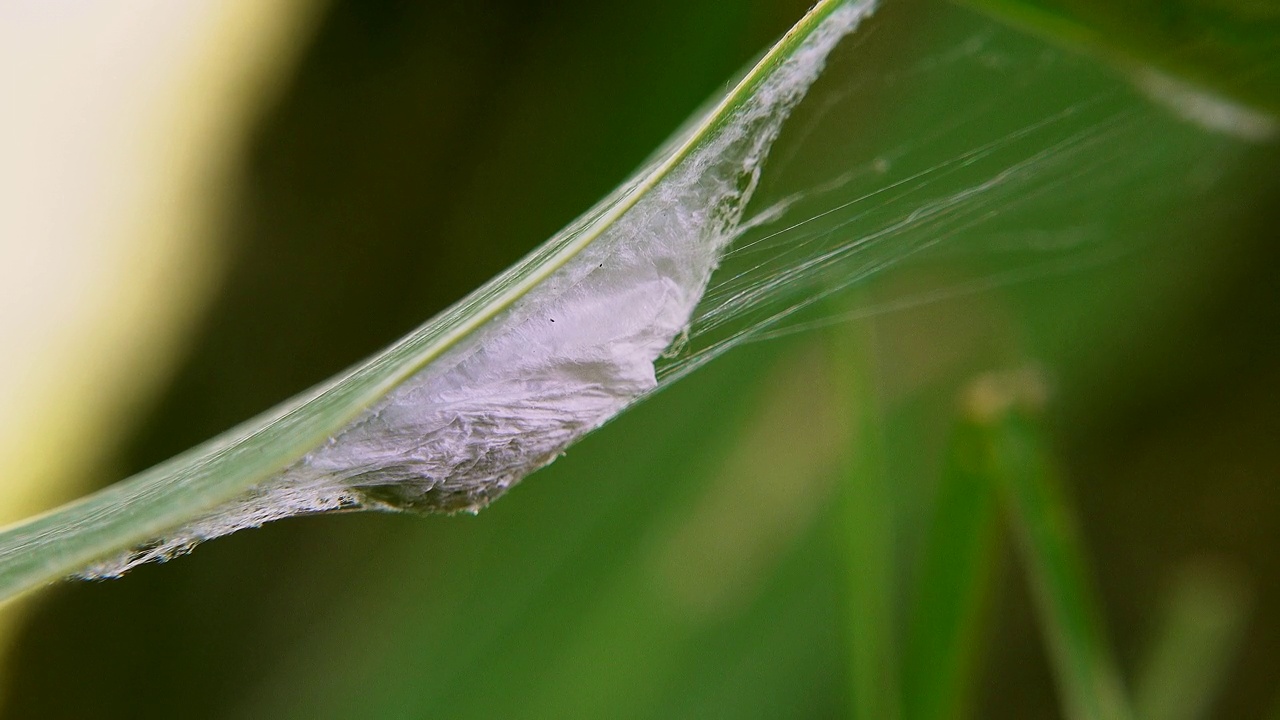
(952, 596)
(868, 532)
(1202, 626)
(51, 546)
(1228, 47)
(1016, 457)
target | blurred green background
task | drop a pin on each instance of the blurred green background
(786, 532)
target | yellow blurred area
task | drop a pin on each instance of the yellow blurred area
(120, 128)
(120, 125)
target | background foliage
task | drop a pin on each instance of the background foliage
(724, 549)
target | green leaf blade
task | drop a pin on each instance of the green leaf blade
(198, 482)
(953, 595)
(1015, 455)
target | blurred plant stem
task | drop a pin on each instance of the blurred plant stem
(868, 522)
(1013, 454)
(1200, 630)
(1224, 47)
(952, 599)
